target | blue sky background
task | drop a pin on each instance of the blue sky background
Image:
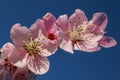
(101, 65)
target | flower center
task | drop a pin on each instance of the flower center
(31, 46)
(74, 35)
(51, 36)
(77, 31)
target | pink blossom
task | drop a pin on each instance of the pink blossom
(82, 35)
(9, 71)
(30, 48)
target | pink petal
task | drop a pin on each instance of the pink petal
(66, 44)
(16, 55)
(49, 48)
(19, 34)
(49, 20)
(77, 18)
(41, 37)
(21, 63)
(62, 22)
(99, 20)
(34, 29)
(87, 46)
(53, 33)
(6, 50)
(92, 37)
(94, 29)
(107, 42)
(38, 64)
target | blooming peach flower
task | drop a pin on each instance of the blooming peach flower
(31, 47)
(9, 71)
(82, 35)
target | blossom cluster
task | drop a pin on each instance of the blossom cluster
(31, 47)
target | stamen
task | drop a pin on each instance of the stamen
(75, 33)
(31, 46)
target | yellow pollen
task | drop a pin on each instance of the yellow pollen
(31, 47)
(74, 35)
